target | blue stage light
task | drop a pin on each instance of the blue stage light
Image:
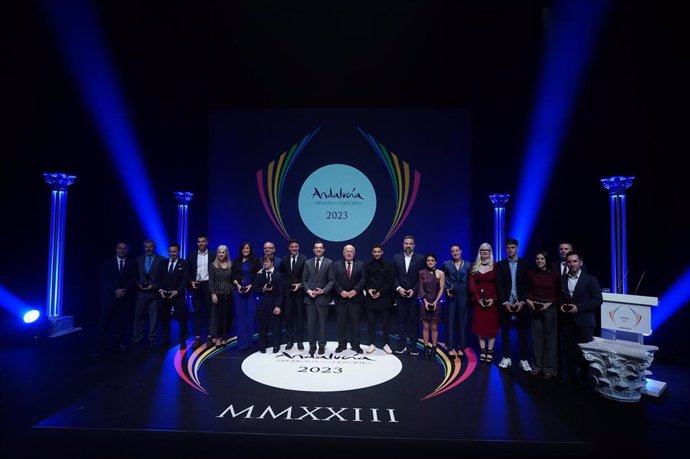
(675, 298)
(31, 316)
(12, 302)
(81, 43)
(568, 51)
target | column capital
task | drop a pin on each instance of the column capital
(617, 184)
(59, 181)
(183, 197)
(499, 200)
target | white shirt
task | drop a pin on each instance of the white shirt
(202, 266)
(572, 282)
(408, 260)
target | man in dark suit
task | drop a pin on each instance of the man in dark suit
(350, 278)
(407, 266)
(200, 262)
(378, 301)
(512, 284)
(118, 277)
(268, 286)
(147, 295)
(317, 283)
(172, 281)
(292, 268)
(580, 305)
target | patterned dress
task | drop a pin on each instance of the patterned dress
(428, 289)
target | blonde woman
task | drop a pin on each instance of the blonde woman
(221, 286)
(482, 286)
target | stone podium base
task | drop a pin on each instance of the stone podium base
(62, 325)
(620, 367)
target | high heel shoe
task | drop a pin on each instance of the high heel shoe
(489, 356)
(482, 354)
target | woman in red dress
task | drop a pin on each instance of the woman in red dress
(482, 286)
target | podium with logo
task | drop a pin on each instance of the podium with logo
(619, 360)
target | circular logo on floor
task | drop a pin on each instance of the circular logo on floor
(329, 372)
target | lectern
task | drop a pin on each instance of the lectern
(619, 359)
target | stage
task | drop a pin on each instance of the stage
(199, 400)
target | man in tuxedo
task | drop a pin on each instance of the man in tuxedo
(512, 284)
(317, 283)
(172, 281)
(147, 295)
(268, 286)
(292, 268)
(200, 262)
(407, 266)
(350, 278)
(118, 278)
(580, 306)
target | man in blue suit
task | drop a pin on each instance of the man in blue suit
(580, 305)
(147, 295)
(268, 287)
(407, 267)
(118, 277)
(350, 278)
(172, 281)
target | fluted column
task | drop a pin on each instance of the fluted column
(183, 199)
(499, 202)
(56, 252)
(619, 256)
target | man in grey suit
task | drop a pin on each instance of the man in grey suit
(317, 283)
(147, 295)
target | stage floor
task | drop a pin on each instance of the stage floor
(384, 401)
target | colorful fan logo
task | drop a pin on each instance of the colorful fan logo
(405, 182)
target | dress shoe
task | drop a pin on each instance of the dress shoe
(300, 346)
(196, 343)
(358, 350)
(340, 349)
(288, 346)
(262, 350)
(312, 350)
(322, 350)
(183, 346)
(276, 349)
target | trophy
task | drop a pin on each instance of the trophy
(567, 307)
(482, 298)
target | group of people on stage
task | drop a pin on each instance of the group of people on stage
(556, 304)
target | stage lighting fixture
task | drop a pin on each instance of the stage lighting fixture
(31, 316)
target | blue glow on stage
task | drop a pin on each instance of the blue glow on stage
(83, 47)
(675, 298)
(568, 51)
(13, 303)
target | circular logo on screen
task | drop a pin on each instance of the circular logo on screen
(329, 372)
(337, 202)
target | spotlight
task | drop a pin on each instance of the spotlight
(31, 316)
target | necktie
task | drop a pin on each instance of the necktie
(349, 269)
(122, 264)
(147, 266)
(565, 269)
(268, 276)
(318, 264)
(172, 265)
(292, 263)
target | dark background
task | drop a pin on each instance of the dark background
(178, 62)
